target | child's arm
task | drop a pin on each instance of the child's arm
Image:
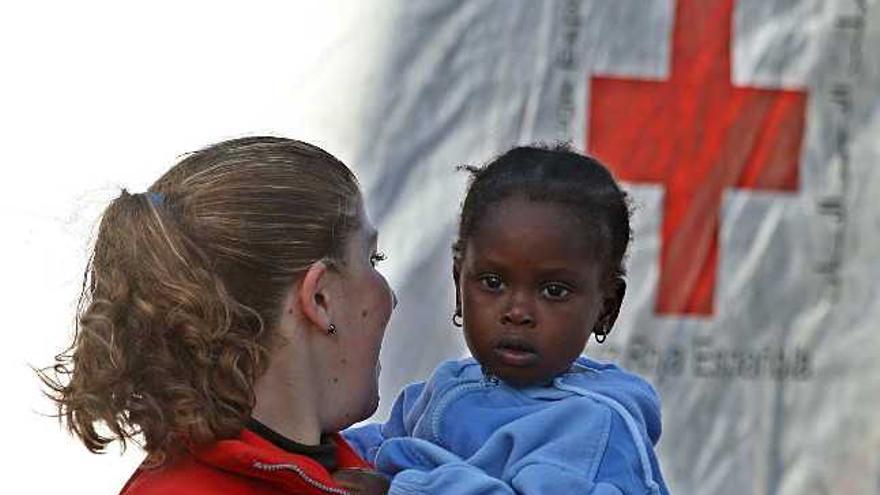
(420, 467)
(438, 471)
(558, 450)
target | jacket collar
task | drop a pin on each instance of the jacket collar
(252, 456)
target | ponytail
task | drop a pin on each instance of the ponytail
(174, 323)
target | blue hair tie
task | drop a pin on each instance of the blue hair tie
(157, 198)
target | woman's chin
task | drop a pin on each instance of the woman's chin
(361, 414)
(374, 404)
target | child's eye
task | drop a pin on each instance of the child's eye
(555, 291)
(491, 282)
(377, 258)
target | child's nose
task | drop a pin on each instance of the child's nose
(519, 311)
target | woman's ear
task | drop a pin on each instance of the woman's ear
(312, 295)
(613, 299)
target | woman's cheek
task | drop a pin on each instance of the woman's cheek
(387, 299)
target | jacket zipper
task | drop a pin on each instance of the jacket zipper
(302, 474)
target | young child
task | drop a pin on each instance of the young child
(538, 267)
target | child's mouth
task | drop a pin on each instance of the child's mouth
(515, 352)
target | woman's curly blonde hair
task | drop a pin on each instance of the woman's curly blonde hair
(180, 296)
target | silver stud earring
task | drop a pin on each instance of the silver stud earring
(331, 330)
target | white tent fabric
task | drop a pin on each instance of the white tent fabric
(766, 356)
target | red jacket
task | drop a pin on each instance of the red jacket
(248, 465)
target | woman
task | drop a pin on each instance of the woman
(230, 323)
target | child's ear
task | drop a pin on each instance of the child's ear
(613, 299)
(313, 297)
(456, 271)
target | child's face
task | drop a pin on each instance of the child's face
(531, 292)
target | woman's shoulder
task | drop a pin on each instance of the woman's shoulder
(184, 476)
(247, 464)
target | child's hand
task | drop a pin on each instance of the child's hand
(362, 481)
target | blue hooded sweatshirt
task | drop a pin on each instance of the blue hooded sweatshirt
(591, 431)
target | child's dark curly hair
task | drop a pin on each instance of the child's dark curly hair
(555, 174)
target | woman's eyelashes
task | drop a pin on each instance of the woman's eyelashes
(377, 258)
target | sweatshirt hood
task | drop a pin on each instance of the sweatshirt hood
(630, 390)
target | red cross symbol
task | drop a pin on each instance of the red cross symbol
(696, 134)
